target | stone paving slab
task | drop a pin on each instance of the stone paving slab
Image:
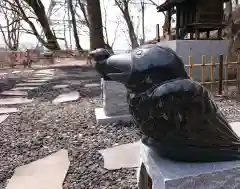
(17, 100)
(28, 84)
(23, 88)
(46, 173)
(90, 85)
(43, 78)
(3, 117)
(14, 93)
(122, 156)
(66, 97)
(43, 74)
(60, 86)
(14, 72)
(75, 82)
(8, 110)
(36, 80)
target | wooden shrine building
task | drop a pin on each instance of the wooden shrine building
(194, 17)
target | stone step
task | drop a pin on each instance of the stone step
(27, 88)
(8, 110)
(36, 80)
(90, 85)
(41, 78)
(46, 71)
(60, 86)
(16, 100)
(28, 84)
(44, 74)
(14, 93)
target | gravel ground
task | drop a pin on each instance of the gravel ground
(43, 128)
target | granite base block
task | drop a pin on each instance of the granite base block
(103, 119)
(114, 98)
(167, 174)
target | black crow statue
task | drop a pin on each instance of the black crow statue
(100, 57)
(177, 116)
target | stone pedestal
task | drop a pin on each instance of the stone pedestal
(115, 107)
(114, 98)
(197, 48)
(167, 174)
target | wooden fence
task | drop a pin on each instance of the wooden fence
(223, 66)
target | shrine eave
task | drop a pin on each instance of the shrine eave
(171, 3)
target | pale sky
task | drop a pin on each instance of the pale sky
(113, 14)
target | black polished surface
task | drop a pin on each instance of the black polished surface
(177, 116)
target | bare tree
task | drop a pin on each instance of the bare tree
(75, 32)
(39, 10)
(86, 19)
(83, 8)
(11, 29)
(28, 10)
(95, 24)
(123, 5)
(105, 27)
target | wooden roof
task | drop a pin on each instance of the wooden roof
(171, 3)
(168, 4)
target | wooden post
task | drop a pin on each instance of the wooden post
(238, 73)
(177, 22)
(190, 66)
(226, 76)
(169, 23)
(191, 35)
(203, 69)
(157, 33)
(197, 34)
(212, 72)
(219, 34)
(208, 34)
(220, 75)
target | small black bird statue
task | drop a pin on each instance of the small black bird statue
(100, 57)
(177, 115)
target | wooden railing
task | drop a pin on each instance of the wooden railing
(223, 66)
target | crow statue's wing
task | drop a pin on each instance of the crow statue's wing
(187, 125)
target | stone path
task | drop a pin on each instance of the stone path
(20, 92)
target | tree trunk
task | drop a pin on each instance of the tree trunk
(131, 32)
(230, 26)
(75, 32)
(95, 24)
(39, 10)
(123, 6)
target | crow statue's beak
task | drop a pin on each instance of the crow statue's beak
(119, 67)
(116, 67)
